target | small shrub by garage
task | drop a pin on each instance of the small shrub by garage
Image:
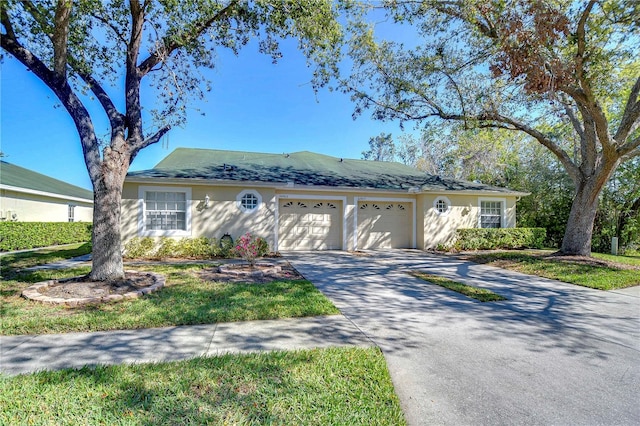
(28, 235)
(499, 238)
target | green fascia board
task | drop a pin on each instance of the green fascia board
(19, 177)
(301, 168)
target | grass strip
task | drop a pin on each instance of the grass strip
(477, 293)
(581, 272)
(187, 299)
(14, 261)
(629, 259)
(349, 386)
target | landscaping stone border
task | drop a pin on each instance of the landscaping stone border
(33, 292)
(263, 269)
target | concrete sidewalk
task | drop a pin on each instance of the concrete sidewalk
(26, 354)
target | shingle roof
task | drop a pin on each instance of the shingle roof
(17, 176)
(301, 168)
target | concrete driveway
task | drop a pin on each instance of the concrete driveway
(554, 353)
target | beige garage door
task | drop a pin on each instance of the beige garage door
(384, 225)
(310, 225)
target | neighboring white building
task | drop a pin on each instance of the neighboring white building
(27, 196)
(306, 201)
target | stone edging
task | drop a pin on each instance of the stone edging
(267, 268)
(33, 292)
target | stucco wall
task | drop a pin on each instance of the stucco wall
(464, 213)
(39, 208)
(223, 216)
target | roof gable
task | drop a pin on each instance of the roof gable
(16, 176)
(301, 168)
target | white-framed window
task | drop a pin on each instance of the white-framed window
(249, 201)
(71, 212)
(164, 211)
(492, 213)
(442, 206)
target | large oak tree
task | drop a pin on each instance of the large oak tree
(559, 71)
(110, 50)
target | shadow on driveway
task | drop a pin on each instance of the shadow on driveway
(554, 353)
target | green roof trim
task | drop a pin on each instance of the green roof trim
(16, 176)
(301, 168)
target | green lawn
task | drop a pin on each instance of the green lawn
(311, 387)
(631, 259)
(11, 262)
(481, 294)
(345, 386)
(186, 299)
(604, 272)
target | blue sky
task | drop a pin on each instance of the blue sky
(254, 106)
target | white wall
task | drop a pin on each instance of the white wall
(40, 208)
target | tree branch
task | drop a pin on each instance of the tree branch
(564, 158)
(166, 49)
(60, 37)
(6, 22)
(574, 120)
(64, 93)
(132, 76)
(116, 119)
(600, 122)
(134, 148)
(37, 15)
(113, 28)
(630, 150)
(581, 39)
(397, 111)
(631, 113)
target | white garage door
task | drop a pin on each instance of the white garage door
(384, 225)
(309, 225)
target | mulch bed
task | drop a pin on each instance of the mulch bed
(554, 257)
(81, 287)
(287, 272)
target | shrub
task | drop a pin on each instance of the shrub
(198, 248)
(249, 247)
(500, 238)
(149, 248)
(168, 247)
(28, 235)
(139, 247)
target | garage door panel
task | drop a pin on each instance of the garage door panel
(384, 225)
(309, 225)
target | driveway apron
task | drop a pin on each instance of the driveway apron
(554, 353)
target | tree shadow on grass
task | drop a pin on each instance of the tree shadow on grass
(301, 387)
(185, 300)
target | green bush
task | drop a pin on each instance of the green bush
(168, 247)
(139, 248)
(198, 248)
(28, 235)
(193, 248)
(500, 238)
(150, 248)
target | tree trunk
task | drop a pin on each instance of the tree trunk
(107, 242)
(579, 231)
